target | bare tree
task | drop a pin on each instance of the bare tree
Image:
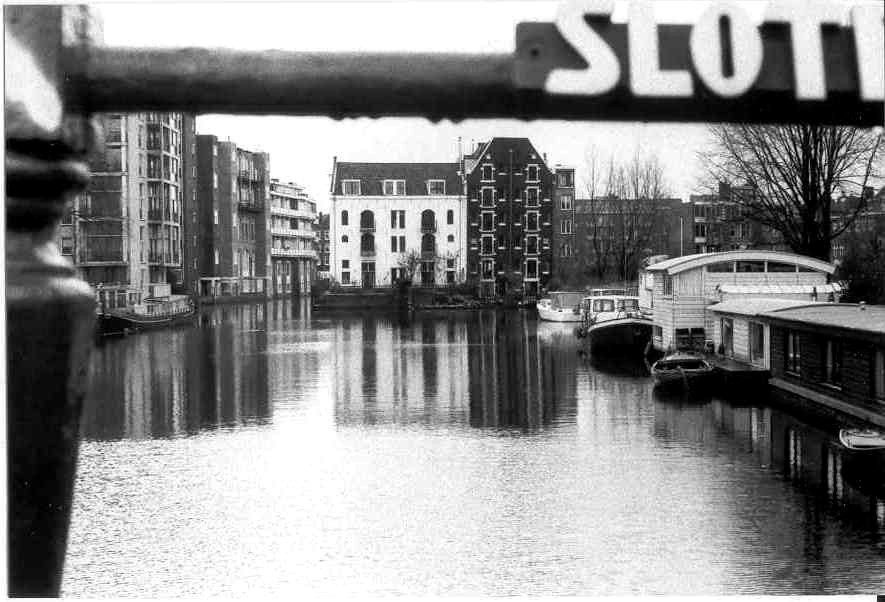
(593, 212)
(795, 171)
(409, 263)
(638, 186)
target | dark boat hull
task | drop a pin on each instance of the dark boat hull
(119, 324)
(618, 336)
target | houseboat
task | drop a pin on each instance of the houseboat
(613, 323)
(561, 306)
(676, 292)
(831, 355)
(150, 313)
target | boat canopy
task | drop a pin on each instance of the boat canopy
(565, 299)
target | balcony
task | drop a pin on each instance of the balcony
(428, 228)
(428, 254)
(252, 206)
(367, 252)
(289, 232)
(367, 228)
(287, 212)
(301, 253)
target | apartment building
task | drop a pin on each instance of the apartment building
(509, 190)
(293, 254)
(722, 223)
(230, 250)
(124, 232)
(391, 221)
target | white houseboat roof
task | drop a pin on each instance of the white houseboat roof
(752, 307)
(688, 262)
(851, 316)
(780, 289)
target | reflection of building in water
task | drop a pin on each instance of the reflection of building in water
(172, 382)
(516, 378)
(807, 456)
(386, 372)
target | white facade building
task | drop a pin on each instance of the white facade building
(388, 219)
(293, 250)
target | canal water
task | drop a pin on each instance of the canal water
(267, 451)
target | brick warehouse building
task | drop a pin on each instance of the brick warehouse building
(564, 231)
(509, 191)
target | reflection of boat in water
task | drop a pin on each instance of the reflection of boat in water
(862, 439)
(613, 323)
(559, 333)
(681, 369)
(152, 313)
(561, 306)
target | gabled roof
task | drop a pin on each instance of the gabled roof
(851, 316)
(688, 262)
(372, 176)
(522, 148)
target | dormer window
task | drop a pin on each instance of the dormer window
(350, 187)
(394, 187)
(436, 187)
(487, 174)
(532, 173)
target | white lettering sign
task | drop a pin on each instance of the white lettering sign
(724, 28)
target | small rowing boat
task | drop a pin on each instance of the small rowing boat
(681, 369)
(862, 439)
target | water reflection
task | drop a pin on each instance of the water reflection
(173, 382)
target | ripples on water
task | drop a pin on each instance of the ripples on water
(268, 451)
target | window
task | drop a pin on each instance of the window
(487, 174)
(215, 215)
(668, 284)
(487, 197)
(216, 257)
(345, 277)
(394, 187)
(879, 375)
(345, 239)
(700, 230)
(487, 221)
(345, 264)
(792, 356)
(398, 218)
(757, 343)
(658, 333)
(367, 221)
(367, 244)
(531, 268)
(488, 245)
(402, 244)
(428, 221)
(450, 217)
(344, 218)
(750, 266)
(565, 202)
(450, 264)
(566, 226)
(727, 333)
(531, 197)
(532, 173)
(450, 238)
(722, 266)
(833, 366)
(565, 179)
(776, 266)
(488, 269)
(393, 247)
(531, 245)
(350, 187)
(67, 245)
(565, 250)
(531, 220)
(436, 187)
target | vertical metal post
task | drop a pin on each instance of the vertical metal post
(50, 312)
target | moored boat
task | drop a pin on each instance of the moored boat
(151, 313)
(560, 306)
(614, 323)
(681, 369)
(862, 439)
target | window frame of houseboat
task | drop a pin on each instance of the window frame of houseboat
(792, 353)
(834, 363)
(878, 380)
(756, 341)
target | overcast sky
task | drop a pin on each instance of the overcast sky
(302, 148)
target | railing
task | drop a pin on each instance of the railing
(62, 75)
